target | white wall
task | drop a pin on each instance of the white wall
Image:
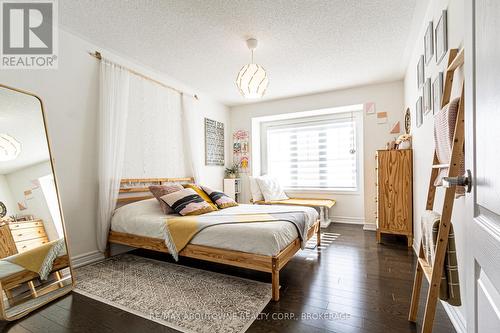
(6, 197)
(423, 139)
(20, 181)
(387, 96)
(70, 95)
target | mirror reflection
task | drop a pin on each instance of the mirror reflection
(34, 264)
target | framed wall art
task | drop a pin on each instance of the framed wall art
(427, 96)
(437, 93)
(214, 142)
(441, 35)
(241, 149)
(429, 43)
(420, 72)
(419, 117)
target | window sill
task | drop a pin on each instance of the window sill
(291, 191)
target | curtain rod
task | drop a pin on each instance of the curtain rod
(98, 56)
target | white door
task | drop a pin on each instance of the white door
(482, 124)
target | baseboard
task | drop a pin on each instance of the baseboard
(370, 227)
(455, 316)
(86, 258)
(347, 219)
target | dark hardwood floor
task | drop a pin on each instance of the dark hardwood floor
(354, 284)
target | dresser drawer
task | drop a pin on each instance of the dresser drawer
(28, 233)
(24, 225)
(31, 244)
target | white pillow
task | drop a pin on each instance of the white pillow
(271, 188)
(255, 189)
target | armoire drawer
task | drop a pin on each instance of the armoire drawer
(31, 244)
(25, 225)
(28, 233)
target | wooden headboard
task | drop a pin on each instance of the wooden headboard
(136, 189)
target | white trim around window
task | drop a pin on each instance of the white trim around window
(314, 146)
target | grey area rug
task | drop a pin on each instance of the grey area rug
(183, 298)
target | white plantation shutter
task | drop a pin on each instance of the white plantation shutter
(314, 155)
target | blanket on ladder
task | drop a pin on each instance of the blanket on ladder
(180, 230)
(449, 287)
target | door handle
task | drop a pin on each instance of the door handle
(465, 181)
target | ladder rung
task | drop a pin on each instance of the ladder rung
(440, 166)
(426, 268)
(457, 61)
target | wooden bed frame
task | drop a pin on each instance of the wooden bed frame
(268, 264)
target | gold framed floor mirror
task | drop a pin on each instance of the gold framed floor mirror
(34, 259)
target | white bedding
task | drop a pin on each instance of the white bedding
(145, 218)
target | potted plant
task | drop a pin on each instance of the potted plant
(232, 171)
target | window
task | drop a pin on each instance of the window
(49, 191)
(311, 153)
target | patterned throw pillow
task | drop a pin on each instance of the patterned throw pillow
(160, 190)
(187, 202)
(202, 194)
(221, 200)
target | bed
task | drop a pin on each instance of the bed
(261, 246)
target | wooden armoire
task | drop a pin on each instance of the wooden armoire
(394, 172)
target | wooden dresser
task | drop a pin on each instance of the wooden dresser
(17, 237)
(394, 172)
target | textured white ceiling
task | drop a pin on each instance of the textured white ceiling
(21, 117)
(306, 46)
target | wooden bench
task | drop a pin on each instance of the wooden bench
(323, 205)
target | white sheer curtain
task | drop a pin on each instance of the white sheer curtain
(192, 129)
(113, 111)
(154, 144)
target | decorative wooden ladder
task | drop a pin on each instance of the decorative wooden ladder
(434, 272)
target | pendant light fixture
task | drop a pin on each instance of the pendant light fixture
(10, 148)
(252, 79)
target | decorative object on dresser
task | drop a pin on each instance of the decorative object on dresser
(21, 236)
(232, 188)
(394, 193)
(404, 141)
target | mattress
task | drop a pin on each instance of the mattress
(145, 218)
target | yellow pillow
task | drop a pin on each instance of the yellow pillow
(202, 194)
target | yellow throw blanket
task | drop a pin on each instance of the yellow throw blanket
(180, 230)
(39, 259)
